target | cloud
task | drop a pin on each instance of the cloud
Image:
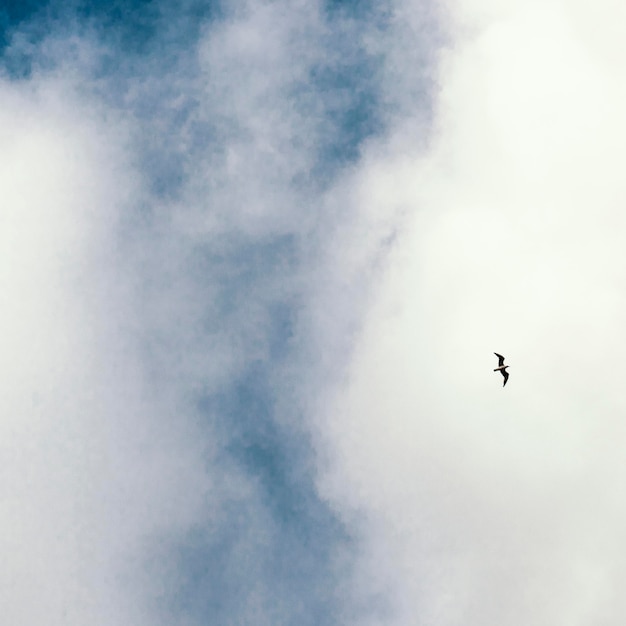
(479, 505)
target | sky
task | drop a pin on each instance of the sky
(255, 260)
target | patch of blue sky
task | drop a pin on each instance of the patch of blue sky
(15, 12)
(145, 28)
(135, 30)
(23, 25)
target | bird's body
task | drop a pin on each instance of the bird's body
(502, 368)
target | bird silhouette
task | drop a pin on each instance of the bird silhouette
(502, 368)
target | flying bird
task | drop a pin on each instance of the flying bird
(502, 368)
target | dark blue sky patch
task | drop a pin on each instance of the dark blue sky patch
(15, 12)
(147, 27)
(23, 26)
(133, 24)
(139, 31)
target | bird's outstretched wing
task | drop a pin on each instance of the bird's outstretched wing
(506, 376)
(500, 359)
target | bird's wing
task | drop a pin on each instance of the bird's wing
(500, 359)
(506, 376)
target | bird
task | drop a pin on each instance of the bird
(502, 368)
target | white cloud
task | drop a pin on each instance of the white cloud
(91, 466)
(483, 505)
